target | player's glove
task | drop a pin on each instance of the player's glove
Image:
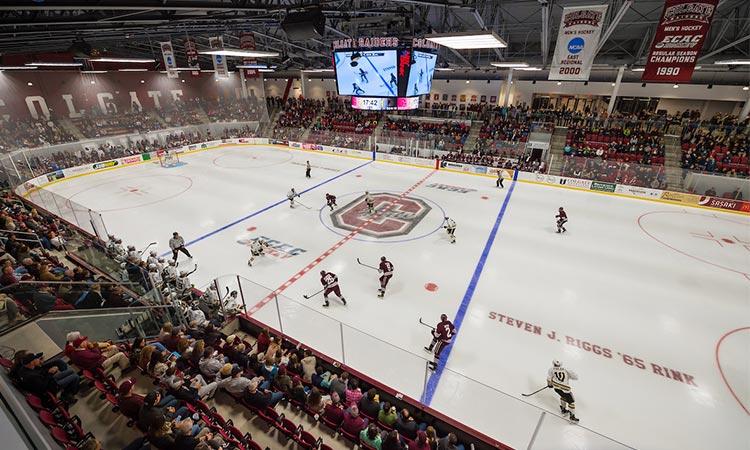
(549, 384)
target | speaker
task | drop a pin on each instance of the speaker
(301, 26)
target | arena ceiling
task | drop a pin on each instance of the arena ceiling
(133, 28)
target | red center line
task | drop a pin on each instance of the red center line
(335, 247)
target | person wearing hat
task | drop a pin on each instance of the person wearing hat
(261, 398)
(234, 382)
(129, 403)
(38, 378)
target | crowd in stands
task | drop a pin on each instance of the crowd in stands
(612, 171)
(31, 133)
(446, 135)
(231, 110)
(616, 144)
(96, 125)
(190, 365)
(721, 150)
(296, 116)
(182, 113)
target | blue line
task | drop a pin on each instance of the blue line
(387, 85)
(251, 215)
(432, 382)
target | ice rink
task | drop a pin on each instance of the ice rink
(649, 303)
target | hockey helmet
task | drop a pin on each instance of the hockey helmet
(382, 258)
(443, 317)
(153, 253)
(172, 262)
(556, 363)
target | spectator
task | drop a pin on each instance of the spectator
(39, 377)
(449, 442)
(210, 363)
(235, 383)
(353, 392)
(157, 410)
(316, 402)
(261, 398)
(353, 423)
(392, 441)
(339, 384)
(421, 442)
(371, 436)
(406, 425)
(387, 415)
(93, 355)
(369, 405)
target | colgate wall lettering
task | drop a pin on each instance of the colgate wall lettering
(678, 40)
(63, 94)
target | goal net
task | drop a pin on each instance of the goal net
(168, 159)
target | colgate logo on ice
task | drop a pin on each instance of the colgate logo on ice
(393, 216)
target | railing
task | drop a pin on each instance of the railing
(608, 171)
(495, 413)
(358, 141)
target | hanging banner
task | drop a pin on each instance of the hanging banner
(678, 40)
(220, 61)
(191, 54)
(247, 42)
(167, 54)
(577, 40)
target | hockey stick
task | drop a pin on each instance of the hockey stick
(366, 265)
(427, 325)
(147, 247)
(225, 295)
(193, 271)
(535, 392)
(313, 295)
(303, 204)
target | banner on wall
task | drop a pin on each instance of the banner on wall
(170, 64)
(678, 40)
(220, 61)
(247, 42)
(577, 41)
(191, 54)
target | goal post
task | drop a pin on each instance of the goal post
(168, 158)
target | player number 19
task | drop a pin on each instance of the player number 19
(668, 71)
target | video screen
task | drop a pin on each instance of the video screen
(370, 73)
(420, 74)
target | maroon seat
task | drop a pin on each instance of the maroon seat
(349, 436)
(61, 437)
(287, 427)
(35, 402)
(306, 440)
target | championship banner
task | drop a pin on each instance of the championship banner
(220, 61)
(577, 40)
(167, 54)
(191, 54)
(678, 40)
(247, 42)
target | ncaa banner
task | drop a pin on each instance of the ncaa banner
(247, 42)
(678, 40)
(220, 61)
(191, 54)
(577, 40)
(167, 54)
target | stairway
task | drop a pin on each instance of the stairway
(266, 130)
(69, 126)
(556, 150)
(471, 139)
(673, 163)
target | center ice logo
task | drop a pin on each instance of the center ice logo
(393, 216)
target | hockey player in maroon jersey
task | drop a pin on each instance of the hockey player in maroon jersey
(442, 335)
(330, 282)
(386, 269)
(331, 201)
(561, 219)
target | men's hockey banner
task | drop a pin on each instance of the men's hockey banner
(677, 42)
(170, 64)
(247, 42)
(577, 41)
(220, 61)
(191, 54)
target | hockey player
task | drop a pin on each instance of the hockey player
(331, 201)
(330, 282)
(112, 245)
(290, 195)
(442, 335)
(257, 248)
(499, 181)
(169, 274)
(153, 258)
(160, 264)
(232, 304)
(386, 269)
(559, 378)
(133, 254)
(184, 286)
(369, 202)
(450, 227)
(154, 276)
(119, 252)
(177, 244)
(307, 169)
(124, 275)
(562, 218)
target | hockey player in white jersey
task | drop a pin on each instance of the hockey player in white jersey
(169, 274)
(450, 227)
(118, 251)
(369, 202)
(154, 275)
(257, 248)
(184, 286)
(153, 258)
(559, 378)
(291, 195)
(133, 254)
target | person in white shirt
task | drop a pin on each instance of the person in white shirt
(559, 378)
(177, 244)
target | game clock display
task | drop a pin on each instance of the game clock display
(385, 103)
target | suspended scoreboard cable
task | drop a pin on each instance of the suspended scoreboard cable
(384, 73)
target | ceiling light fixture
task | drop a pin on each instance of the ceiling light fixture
(638, 69)
(123, 60)
(559, 83)
(734, 62)
(468, 40)
(17, 67)
(266, 70)
(132, 70)
(746, 88)
(55, 64)
(239, 52)
(444, 69)
(510, 65)
(675, 86)
(529, 69)
(93, 71)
